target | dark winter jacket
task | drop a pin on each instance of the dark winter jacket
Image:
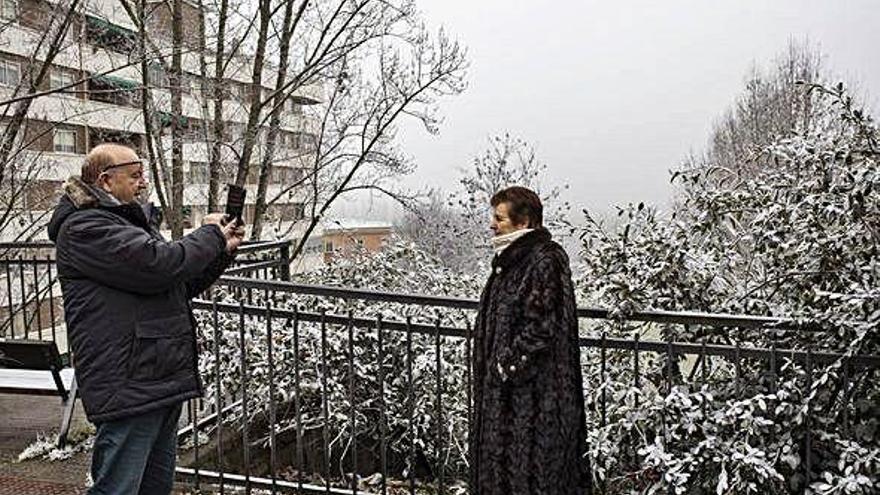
(528, 432)
(127, 301)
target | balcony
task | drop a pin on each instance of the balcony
(314, 388)
(104, 34)
(114, 90)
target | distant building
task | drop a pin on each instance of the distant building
(339, 239)
(342, 238)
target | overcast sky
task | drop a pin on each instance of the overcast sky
(615, 93)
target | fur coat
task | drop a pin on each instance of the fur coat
(528, 431)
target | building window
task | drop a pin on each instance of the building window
(289, 140)
(295, 108)
(65, 141)
(198, 172)
(188, 83)
(10, 72)
(9, 9)
(328, 246)
(195, 83)
(156, 75)
(244, 92)
(194, 131)
(60, 79)
(289, 175)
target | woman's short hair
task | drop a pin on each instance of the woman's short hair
(525, 205)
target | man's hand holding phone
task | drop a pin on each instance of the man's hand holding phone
(232, 231)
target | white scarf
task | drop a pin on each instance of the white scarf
(500, 242)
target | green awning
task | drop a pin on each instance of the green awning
(165, 119)
(117, 82)
(105, 25)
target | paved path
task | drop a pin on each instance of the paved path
(24, 417)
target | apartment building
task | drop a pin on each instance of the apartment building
(62, 127)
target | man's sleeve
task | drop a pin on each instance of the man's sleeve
(541, 298)
(201, 282)
(126, 257)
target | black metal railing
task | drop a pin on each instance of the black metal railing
(30, 292)
(30, 302)
(324, 389)
(318, 389)
(263, 259)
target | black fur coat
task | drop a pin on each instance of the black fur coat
(528, 431)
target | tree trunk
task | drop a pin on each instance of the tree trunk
(207, 134)
(215, 156)
(260, 206)
(175, 215)
(252, 129)
(155, 159)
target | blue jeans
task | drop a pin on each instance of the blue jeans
(136, 455)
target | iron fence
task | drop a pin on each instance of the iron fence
(261, 259)
(30, 291)
(248, 321)
(31, 302)
(337, 390)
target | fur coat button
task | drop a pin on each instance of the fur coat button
(497, 270)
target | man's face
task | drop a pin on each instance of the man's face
(501, 222)
(127, 180)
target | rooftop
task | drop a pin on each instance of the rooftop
(349, 224)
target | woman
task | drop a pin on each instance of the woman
(528, 433)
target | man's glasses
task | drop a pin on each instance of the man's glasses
(123, 164)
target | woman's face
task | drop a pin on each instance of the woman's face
(501, 222)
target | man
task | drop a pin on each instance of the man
(127, 306)
(528, 433)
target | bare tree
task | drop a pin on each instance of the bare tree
(454, 226)
(175, 214)
(362, 64)
(355, 147)
(19, 170)
(35, 72)
(357, 53)
(774, 103)
(219, 95)
(289, 25)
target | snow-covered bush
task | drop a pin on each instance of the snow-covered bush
(795, 233)
(323, 362)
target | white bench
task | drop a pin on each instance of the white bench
(33, 367)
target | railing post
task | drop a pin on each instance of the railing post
(284, 252)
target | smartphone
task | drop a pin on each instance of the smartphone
(235, 203)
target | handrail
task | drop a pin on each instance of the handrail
(655, 316)
(247, 246)
(727, 350)
(27, 245)
(250, 246)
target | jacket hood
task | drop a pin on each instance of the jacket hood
(81, 196)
